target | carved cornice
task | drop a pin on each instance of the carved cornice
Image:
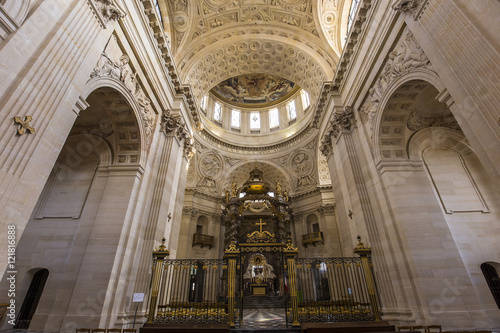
(345, 59)
(327, 209)
(170, 68)
(207, 136)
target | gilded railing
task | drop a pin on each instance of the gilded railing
(190, 291)
(332, 290)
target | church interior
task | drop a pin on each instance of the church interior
(191, 162)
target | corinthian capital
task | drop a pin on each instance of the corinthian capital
(108, 10)
(404, 6)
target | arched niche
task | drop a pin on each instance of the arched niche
(240, 172)
(410, 107)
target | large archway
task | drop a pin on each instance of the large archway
(86, 202)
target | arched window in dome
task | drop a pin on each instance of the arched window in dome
(274, 119)
(203, 104)
(352, 13)
(255, 120)
(158, 11)
(305, 99)
(235, 118)
(292, 112)
(217, 112)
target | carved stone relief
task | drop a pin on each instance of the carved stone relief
(108, 11)
(406, 56)
(211, 164)
(122, 70)
(404, 6)
(416, 122)
(323, 171)
(301, 165)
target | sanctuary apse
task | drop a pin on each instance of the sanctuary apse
(224, 125)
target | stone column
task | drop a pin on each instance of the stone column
(166, 173)
(356, 199)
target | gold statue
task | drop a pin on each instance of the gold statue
(234, 191)
(279, 190)
(285, 195)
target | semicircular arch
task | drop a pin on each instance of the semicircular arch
(131, 124)
(272, 172)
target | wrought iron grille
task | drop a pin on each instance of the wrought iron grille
(192, 291)
(332, 290)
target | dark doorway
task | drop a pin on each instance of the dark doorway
(491, 275)
(31, 300)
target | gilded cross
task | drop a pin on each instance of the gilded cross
(260, 224)
(24, 125)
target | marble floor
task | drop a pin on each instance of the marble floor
(263, 318)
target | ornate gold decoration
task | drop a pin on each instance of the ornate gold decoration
(231, 248)
(289, 247)
(261, 236)
(361, 246)
(25, 126)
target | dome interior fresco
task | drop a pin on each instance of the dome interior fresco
(256, 90)
(216, 42)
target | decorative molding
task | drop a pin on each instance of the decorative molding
(342, 122)
(188, 149)
(327, 209)
(123, 72)
(323, 170)
(414, 7)
(171, 124)
(171, 72)
(416, 122)
(406, 56)
(106, 11)
(232, 148)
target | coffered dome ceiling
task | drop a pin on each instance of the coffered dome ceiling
(216, 40)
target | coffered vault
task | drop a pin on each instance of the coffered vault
(213, 40)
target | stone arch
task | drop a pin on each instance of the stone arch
(311, 220)
(17, 9)
(129, 121)
(408, 105)
(239, 173)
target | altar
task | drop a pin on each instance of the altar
(259, 289)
